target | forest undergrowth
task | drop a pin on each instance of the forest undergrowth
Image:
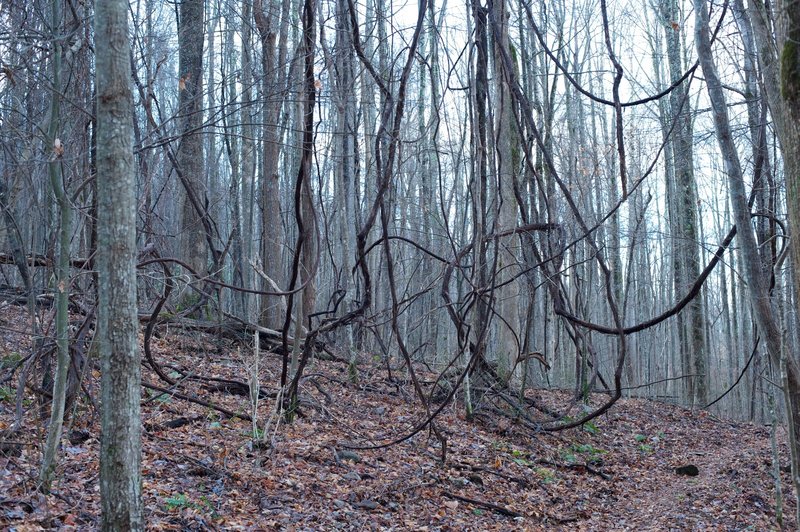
(203, 469)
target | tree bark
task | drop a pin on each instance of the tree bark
(194, 248)
(62, 266)
(782, 88)
(757, 279)
(273, 63)
(682, 203)
(120, 451)
(507, 155)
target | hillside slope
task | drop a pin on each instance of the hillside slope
(202, 471)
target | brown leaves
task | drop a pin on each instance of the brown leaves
(8, 74)
(183, 81)
(204, 475)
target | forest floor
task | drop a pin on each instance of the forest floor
(201, 470)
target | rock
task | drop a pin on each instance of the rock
(475, 479)
(690, 470)
(352, 475)
(367, 504)
(77, 437)
(344, 454)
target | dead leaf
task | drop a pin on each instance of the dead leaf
(182, 81)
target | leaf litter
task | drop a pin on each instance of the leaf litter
(202, 470)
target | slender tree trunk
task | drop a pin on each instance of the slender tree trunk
(268, 21)
(682, 201)
(232, 143)
(120, 453)
(249, 155)
(62, 268)
(191, 31)
(346, 167)
(784, 102)
(507, 154)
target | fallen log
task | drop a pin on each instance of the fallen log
(43, 261)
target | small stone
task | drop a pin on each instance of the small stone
(352, 475)
(339, 503)
(476, 479)
(367, 504)
(344, 454)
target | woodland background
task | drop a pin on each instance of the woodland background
(506, 195)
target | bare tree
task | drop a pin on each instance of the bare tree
(57, 184)
(272, 22)
(682, 208)
(782, 89)
(757, 278)
(120, 455)
(191, 32)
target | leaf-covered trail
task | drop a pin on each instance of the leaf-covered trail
(202, 472)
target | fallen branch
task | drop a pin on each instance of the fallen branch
(586, 467)
(43, 261)
(197, 400)
(488, 505)
(480, 469)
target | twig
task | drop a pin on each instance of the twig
(198, 401)
(480, 469)
(488, 505)
(587, 467)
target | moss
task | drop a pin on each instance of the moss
(514, 58)
(790, 71)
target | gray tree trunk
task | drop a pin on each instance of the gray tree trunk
(682, 203)
(345, 155)
(239, 299)
(120, 452)
(62, 268)
(782, 88)
(190, 151)
(507, 300)
(757, 279)
(249, 155)
(273, 62)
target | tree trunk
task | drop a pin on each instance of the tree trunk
(120, 452)
(756, 278)
(62, 268)
(682, 202)
(273, 65)
(347, 165)
(194, 248)
(507, 297)
(249, 155)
